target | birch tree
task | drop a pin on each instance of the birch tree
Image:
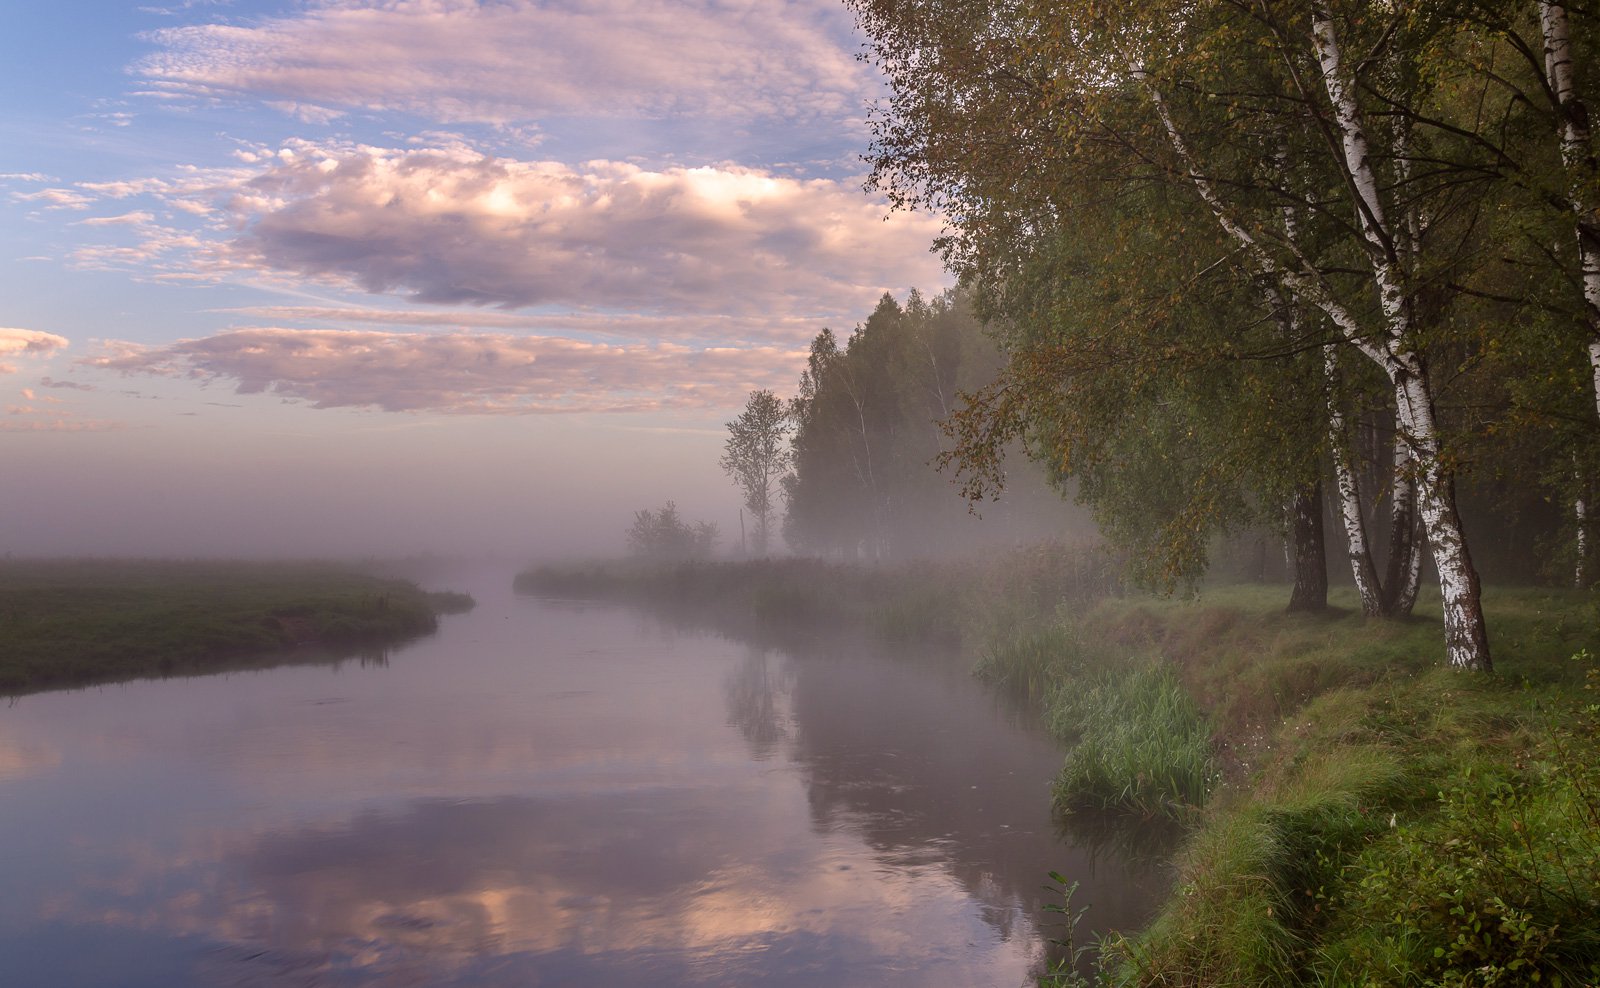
(756, 455)
(1046, 103)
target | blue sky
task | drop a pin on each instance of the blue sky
(415, 275)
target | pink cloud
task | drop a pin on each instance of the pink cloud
(772, 328)
(519, 60)
(454, 226)
(463, 373)
(26, 343)
(55, 198)
(137, 218)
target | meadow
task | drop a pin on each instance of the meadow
(69, 623)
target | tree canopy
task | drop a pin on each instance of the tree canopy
(1230, 245)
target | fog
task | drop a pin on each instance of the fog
(267, 480)
(354, 486)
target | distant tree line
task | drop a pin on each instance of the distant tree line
(663, 535)
(867, 427)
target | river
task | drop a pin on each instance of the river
(543, 793)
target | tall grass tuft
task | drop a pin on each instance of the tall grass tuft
(1033, 664)
(1142, 744)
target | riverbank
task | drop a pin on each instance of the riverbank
(1358, 814)
(71, 623)
(1375, 818)
(932, 601)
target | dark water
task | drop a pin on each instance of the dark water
(544, 793)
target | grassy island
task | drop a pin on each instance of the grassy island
(1357, 812)
(68, 623)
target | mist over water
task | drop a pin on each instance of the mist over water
(544, 792)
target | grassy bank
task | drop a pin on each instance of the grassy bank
(79, 622)
(1375, 819)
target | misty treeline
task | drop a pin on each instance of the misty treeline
(663, 534)
(847, 465)
(1229, 245)
(866, 421)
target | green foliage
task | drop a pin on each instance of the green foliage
(1384, 822)
(1499, 884)
(1033, 663)
(1066, 970)
(1152, 208)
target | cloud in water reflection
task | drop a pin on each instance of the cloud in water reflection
(659, 887)
(539, 796)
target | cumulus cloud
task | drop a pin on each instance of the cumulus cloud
(455, 226)
(55, 198)
(463, 61)
(462, 373)
(26, 343)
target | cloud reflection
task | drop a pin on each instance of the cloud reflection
(665, 887)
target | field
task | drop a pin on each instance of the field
(67, 623)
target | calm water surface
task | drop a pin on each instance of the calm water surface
(544, 793)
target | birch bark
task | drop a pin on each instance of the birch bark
(1403, 575)
(1466, 637)
(1578, 158)
(1375, 602)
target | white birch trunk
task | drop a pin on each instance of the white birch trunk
(1405, 562)
(1466, 638)
(1355, 525)
(1580, 576)
(1577, 157)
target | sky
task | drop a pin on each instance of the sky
(389, 277)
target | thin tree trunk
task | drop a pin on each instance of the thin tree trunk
(1362, 568)
(1580, 576)
(1578, 158)
(1310, 550)
(1404, 569)
(1580, 517)
(1466, 636)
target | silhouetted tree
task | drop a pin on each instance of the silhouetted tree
(664, 535)
(756, 455)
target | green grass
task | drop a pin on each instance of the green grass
(1387, 821)
(1140, 744)
(77, 622)
(1034, 662)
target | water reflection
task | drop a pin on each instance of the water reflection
(541, 795)
(911, 756)
(756, 691)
